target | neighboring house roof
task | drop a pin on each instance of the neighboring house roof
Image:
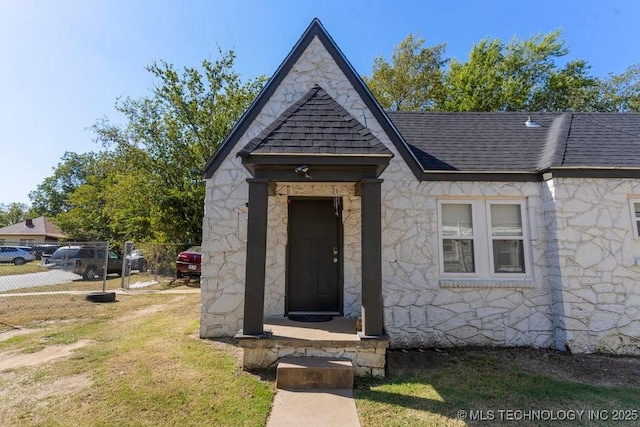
(40, 226)
(500, 141)
(315, 124)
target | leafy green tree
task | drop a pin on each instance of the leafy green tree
(12, 213)
(522, 75)
(621, 92)
(156, 190)
(52, 196)
(414, 80)
(519, 76)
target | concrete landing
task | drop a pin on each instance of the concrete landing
(314, 408)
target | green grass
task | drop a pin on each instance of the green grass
(484, 384)
(30, 267)
(144, 365)
(144, 370)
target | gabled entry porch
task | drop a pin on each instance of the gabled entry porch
(313, 157)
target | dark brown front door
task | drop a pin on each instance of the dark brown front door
(314, 256)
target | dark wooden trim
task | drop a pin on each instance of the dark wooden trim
(592, 173)
(370, 191)
(253, 323)
(480, 176)
(321, 168)
(316, 175)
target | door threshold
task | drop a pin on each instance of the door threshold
(312, 313)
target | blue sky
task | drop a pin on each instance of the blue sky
(65, 62)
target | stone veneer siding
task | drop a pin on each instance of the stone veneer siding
(368, 356)
(224, 223)
(595, 264)
(580, 285)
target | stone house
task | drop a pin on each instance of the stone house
(437, 229)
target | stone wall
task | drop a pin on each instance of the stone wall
(421, 308)
(368, 356)
(597, 303)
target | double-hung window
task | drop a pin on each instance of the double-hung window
(635, 216)
(483, 238)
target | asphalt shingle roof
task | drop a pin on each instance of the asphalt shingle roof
(315, 124)
(40, 226)
(500, 141)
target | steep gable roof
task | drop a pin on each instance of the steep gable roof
(315, 124)
(315, 30)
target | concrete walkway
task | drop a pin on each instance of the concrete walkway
(314, 408)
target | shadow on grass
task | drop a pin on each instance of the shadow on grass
(478, 386)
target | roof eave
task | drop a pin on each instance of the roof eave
(592, 172)
(480, 175)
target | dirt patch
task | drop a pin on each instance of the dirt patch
(15, 333)
(142, 312)
(12, 360)
(600, 370)
(148, 310)
(20, 389)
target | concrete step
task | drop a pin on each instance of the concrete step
(303, 373)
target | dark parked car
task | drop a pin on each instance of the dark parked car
(188, 263)
(46, 250)
(86, 261)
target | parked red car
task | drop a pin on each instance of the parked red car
(188, 262)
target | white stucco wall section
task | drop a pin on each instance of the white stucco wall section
(597, 301)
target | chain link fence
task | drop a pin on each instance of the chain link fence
(58, 276)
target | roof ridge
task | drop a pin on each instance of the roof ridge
(313, 31)
(555, 145)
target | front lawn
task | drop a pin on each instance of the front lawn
(501, 386)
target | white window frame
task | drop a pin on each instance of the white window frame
(483, 238)
(634, 220)
(473, 237)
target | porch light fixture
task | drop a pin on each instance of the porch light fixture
(303, 170)
(531, 124)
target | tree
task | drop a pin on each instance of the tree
(12, 213)
(413, 81)
(52, 196)
(621, 92)
(520, 76)
(163, 147)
